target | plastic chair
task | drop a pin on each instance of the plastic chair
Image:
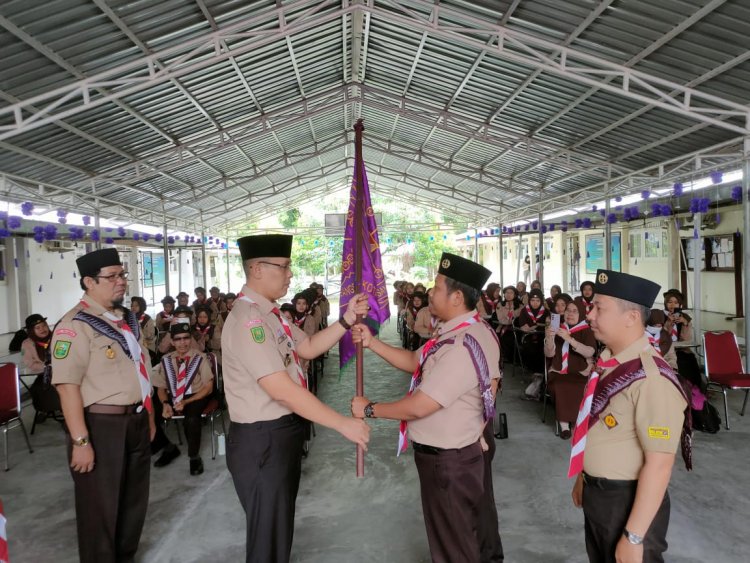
(213, 408)
(10, 406)
(724, 368)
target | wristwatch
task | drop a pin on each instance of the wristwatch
(632, 538)
(81, 441)
(369, 411)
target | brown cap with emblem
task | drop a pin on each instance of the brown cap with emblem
(463, 270)
(265, 246)
(90, 264)
(626, 287)
(179, 328)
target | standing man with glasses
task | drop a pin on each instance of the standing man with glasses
(101, 371)
(267, 395)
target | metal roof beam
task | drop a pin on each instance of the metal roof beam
(185, 58)
(526, 49)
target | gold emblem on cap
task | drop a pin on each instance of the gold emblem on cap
(445, 263)
(603, 278)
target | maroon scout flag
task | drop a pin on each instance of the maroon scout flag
(372, 278)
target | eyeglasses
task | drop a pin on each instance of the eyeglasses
(113, 277)
(284, 267)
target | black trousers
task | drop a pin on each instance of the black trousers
(490, 543)
(606, 512)
(452, 485)
(265, 460)
(192, 424)
(111, 500)
(160, 440)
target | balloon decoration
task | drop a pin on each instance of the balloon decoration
(737, 193)
(27, 208)
(717, 176)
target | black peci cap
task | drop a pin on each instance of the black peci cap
(179, 328)
(90, 264)
(265, 246)
(463, 270)
(168, 299)
(626, 287)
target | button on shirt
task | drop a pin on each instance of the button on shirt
(646, 416)
(450, 378)
(84, 357)
(255, 345)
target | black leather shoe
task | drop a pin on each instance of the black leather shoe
(196, 466)
(565, 434)
(167, 456)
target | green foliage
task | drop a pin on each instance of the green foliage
(289, 218)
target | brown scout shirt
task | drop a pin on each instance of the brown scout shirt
(255, 345)
(647, 416)
(203, 377)
(449, 377)
(423, 323)
(82, 356)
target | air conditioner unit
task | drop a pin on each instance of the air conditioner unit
(59, 246)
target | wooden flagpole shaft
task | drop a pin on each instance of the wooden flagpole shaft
(358, 226)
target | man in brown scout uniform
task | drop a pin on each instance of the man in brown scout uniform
(450, 403)
(632, 420)
(267, 396)
(184, 383)
(101, 371)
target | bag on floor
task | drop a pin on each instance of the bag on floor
(707, 419)
(533, 389)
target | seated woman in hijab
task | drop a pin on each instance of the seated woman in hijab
(680, 328)
(533, 317)
(507, 312)
(418, 302)
(165, 316)
(571, 348)
(148, 327)
(301, 316)
(35, 349)
(659, 337)
(207, 335)
(554, 291)
(587, 295)
(425, 323)
(487, 303)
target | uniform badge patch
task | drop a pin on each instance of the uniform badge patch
(258, 334)
(62, 349)
(65, 332)
(610, 421)
(658, 432)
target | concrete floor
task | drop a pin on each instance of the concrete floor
(378, 518)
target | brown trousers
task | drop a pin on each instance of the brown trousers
(452, 486)
(490, 543)
(606, 513)
(111, 500)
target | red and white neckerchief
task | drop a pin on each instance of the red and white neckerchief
(416, 376)
(583, 325)
(536, 318)
(582, 423)
(301, 321)
(433, 322)
(203, 330)
(673, 333)
(139, 359)
(181, 378)
(588, 305)
(4, 557)
(653, 337)
(282, 319)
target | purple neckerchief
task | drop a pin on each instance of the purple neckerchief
(627, 373)
(104, 328)
(480, 367)
(190, 372)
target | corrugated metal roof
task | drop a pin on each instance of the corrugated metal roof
(240, 108)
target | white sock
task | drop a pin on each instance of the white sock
(565, 426)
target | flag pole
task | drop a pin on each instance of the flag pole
(358, 219)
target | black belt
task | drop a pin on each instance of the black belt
(609, 484)
(434, 450)
(114, 409)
